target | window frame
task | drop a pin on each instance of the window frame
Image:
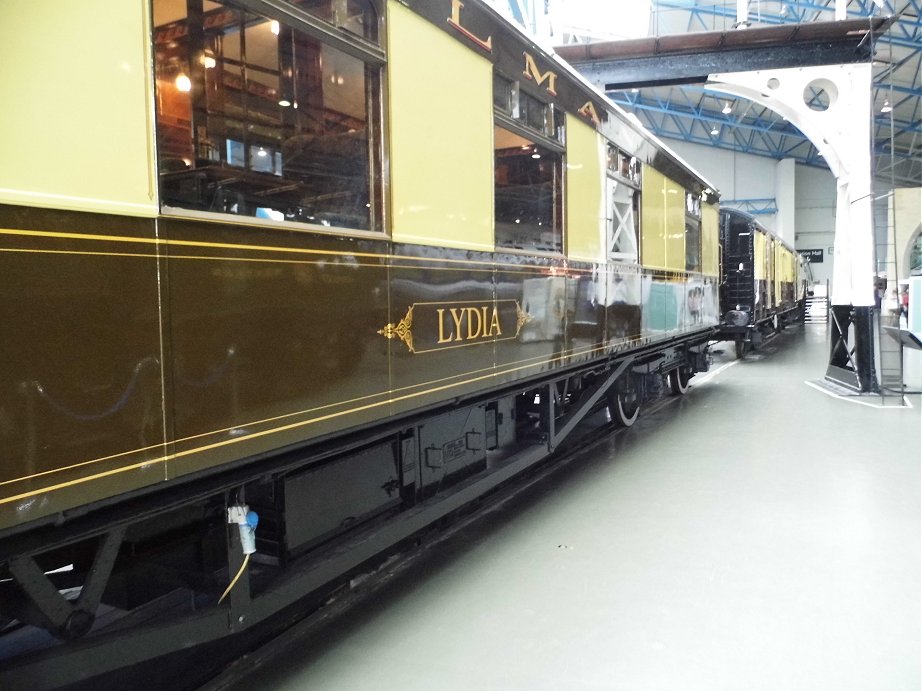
(555, 120)
(373, 55)
(693, 217)
(323, 31)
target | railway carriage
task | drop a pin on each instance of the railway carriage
(764, 281)
(347, 264)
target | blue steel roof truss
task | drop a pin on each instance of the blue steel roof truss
(691, 114)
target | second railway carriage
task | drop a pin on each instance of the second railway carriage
(764, 281)
(345, 263)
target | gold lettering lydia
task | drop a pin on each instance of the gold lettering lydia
(468, 324)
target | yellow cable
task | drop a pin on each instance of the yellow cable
(246, 559)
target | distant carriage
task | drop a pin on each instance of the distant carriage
(764, 281)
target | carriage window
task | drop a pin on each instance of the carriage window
(692, 232)
(528, 164)
(259, 119)
(622, 164)
(506, 95)
(527, 193)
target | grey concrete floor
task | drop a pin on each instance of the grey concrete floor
(756, 534)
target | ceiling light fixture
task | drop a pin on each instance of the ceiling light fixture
(887, 107)
(727, 109)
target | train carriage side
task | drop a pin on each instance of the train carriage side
(336, 261)
(761, 290)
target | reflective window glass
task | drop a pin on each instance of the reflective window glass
(356, 16)
(256, 118)
(528, 208)
(505, 95)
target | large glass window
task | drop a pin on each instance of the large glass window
(257, 118)
(527, 193)
(528, 169)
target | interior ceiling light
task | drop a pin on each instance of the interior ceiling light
(715, 131)
(887, 107)
(284, 103)
(183, 83)
(727, 109)
(274, 27)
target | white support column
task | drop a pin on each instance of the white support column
(785, 199)
(840, 129)
(742, 12)
(842, 134)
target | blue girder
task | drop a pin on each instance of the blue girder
(756, 207)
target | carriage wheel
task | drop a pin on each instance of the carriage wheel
(678, 380)
(624, 407)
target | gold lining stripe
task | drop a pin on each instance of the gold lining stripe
(266, 248)
(467, 265)
(527, 363)
(83, 463)
(83, 253)
(264, 260)
(255, 435)
(197, 436)
(532, 362)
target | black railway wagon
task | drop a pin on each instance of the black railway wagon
(284, 283)
(764, 281)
